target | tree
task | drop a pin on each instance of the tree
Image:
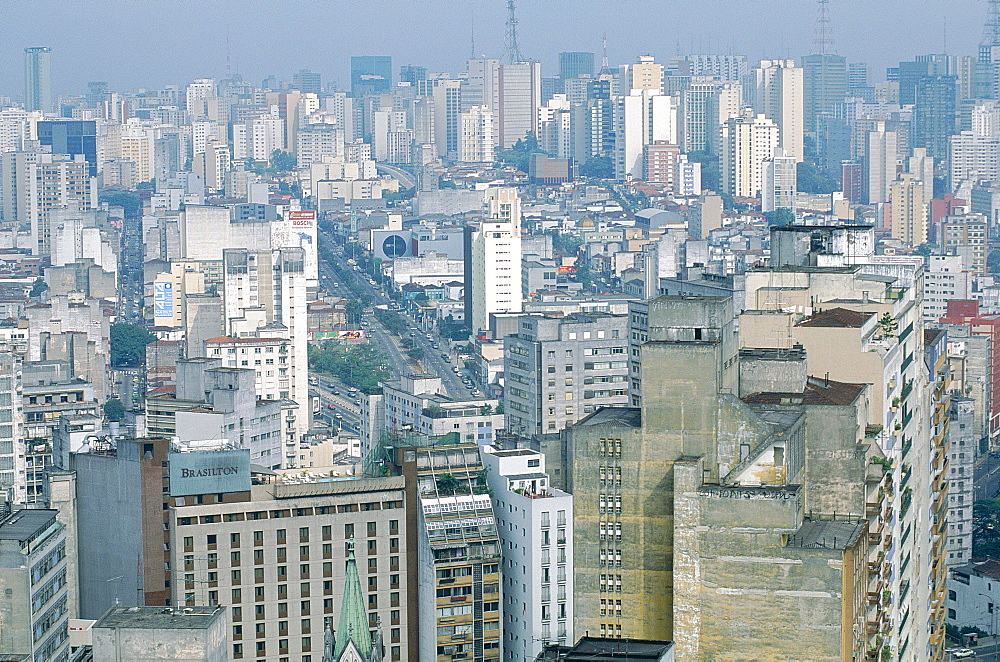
(282, 161)
(38, 287)
(583, 273)
(780, 216)
(711, 178)
(598, 167)
(520, 154)
(354, 310)
(128, 344)
(809, 179)
(114, 410)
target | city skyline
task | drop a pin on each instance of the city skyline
(193, 45)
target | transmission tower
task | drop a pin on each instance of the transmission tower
(991, 31)
(823, 40)
(513, 48)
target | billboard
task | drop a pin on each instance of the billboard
(209, 472)
(302, 219)
(339, 335)
(163, 299)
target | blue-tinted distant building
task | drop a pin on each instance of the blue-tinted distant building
(370, 74)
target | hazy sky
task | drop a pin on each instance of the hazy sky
(152, 43)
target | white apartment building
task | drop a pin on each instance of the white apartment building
(535, 525)
(137, 146)
(778, 185)
(496, 271)
(946, 277)
(641, 118)
(779, 97)
(963, 444)
(477, 137)
(264, 135)
(748, 141)
(13, 480)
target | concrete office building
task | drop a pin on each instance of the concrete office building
(535, 522)
(879, 155)
(13, 471)
(33, 578)
(965, 235)
(963, 447)
(644, 75)
(38, 78)
(945, 279)
(778, 96)
(519, 89)
(494, 276)
(194, 634)
(705, 105)
(560, 369)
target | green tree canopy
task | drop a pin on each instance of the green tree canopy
(38, 287)
(128, 201)
(780, 216)
(520, 153)
(282, 161)
(598, 167)
(809, 179)
(128, 344)
(114, 410)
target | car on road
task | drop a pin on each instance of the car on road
(336, 392)
(436, 346)
(446, 358)
(357, 403)
(454, 369)
(476, 391)
(962, 653)
(339, 416)
(330, 407)
(469, 386)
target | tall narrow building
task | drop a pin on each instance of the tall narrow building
(519, 95)
(495, 269)
(38, 78)
(778, 96)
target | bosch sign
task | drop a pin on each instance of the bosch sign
(302, 219)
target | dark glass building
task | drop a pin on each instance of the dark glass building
(370, 74)
(71, 137)
(575, 64)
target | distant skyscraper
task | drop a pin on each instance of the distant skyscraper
(575, 64)
(935, 117)
(411, 73)
(824, 86)
(370, 74)
(643, 75)
(520, 95)
(38, 78)
(748, 142)
(779, 96)
(308, 81)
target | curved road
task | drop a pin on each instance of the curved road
(406, 179)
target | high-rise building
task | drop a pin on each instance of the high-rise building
(72, 137)
(748, 141)
(308, 82)
(965, 235)
(879, 156)
(370, 74)
(477, 139)
(778, 183)
(550, 366)
(38, 78)
(778, 96)
(645, 74)
(447, 98)
(33, 571)
(454, 557)
(412, 74)
(824, 86)
(642, 118)
(535, 524)
(495, 268)
(575, 64)
(909, 212)
(935, 117)
(13, 471)
(706, 104)
(519, 95)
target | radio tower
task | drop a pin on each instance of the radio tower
(823, 40)
(513, 48)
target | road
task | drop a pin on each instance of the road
(406, 179)
(397, 360)
(987, 478)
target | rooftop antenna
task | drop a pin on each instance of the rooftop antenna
(823, 39)
(472, 55)
(513, 48)
(229, 71)
(604, 53)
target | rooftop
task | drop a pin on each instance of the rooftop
(621, 416)
(23, 525)
(837, 317)
(817, 392)
(160, 618)
(827, 534)
(595, 649)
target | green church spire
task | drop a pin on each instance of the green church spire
(352, 623)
